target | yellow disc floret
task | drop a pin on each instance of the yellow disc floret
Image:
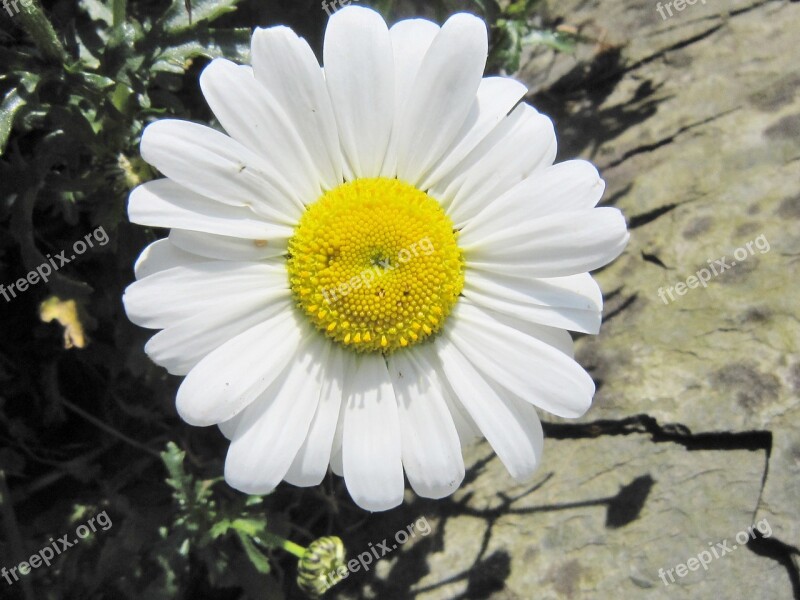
(374, 264)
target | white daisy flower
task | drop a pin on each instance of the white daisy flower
(377, 265)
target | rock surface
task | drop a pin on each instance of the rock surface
(694, 121)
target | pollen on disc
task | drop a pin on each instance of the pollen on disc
(375, 265)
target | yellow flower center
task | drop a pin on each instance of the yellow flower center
(374, 264)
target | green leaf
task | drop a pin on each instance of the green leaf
(251, 527)
(96, 81)
(176, 19)
(173, 461)
(219, 528)
(561, 42)
(11, 105)
(260, 562)
(233, 44)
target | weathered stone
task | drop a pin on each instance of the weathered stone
(603, 522)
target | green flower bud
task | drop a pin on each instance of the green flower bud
(319, 568)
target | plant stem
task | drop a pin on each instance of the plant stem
(38, 26)
(276, 541)
(293, 548)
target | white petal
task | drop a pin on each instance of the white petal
(553, 246)
(223, 247)
(228, 428)
(311, 463)
(411, 39)
(566, 187)
(554, 336)
(431, 448)
(524, 365)
(164, 203)
(495, 99)
(359, 71)
(522, 143)
(166, 297)
(527, 416)
(273, 428)
(251, 115)
(180, 347)
(160, 256)
(286, 66)
(232, 376)
(573, 302)
(467, 430)
(212, 164)
(515, 435)
(441, 96)
(373, 470)
(336, 452)
(348, 367)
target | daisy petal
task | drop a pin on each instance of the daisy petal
(160, 256)
(467, 430)
(286, 66)
(514, 435)
(223, 247)
(359, 71)
(212, 164)
(337, 466)
(554, 336)
(411, 39)
(228, 428)
(252, 116)
(232, 376)
(273, 428)
(566, 187)
(373, 469)
(336, 452)
(495, 99)
(430, 444)
(168, 296)
(573, 302)
(180, 347)
(164, 203)
(522, 143)
(311, 463)
(553, 246)
(442, 94)
(505, 355)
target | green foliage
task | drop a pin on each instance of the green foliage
(514, 30)
(201, 521)
(178, 18)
